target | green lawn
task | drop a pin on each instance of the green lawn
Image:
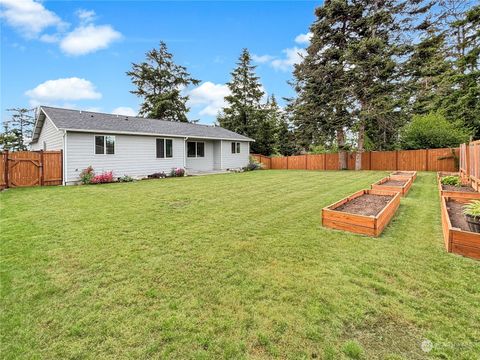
(229, 266)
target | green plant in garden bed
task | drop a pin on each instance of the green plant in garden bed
(472, 212)
(229, 266)
(451, 180)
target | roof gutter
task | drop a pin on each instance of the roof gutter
(152, 134)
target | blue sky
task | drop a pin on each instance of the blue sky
(75, 53)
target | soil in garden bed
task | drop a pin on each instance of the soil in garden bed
(458, 188)
(394, 183)
(367, 204)
(406, 173)
(455, 212)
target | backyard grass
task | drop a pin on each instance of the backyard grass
(229, 266)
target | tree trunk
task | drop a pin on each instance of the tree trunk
(361, 142)
(342, 155)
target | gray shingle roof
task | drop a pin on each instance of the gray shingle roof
(99, 122)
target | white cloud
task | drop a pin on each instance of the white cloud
(88, 38)
(29, 17)
(50, 38)
(292, 56)
(124, 110)
(85, 16)
(209, 96)
(304, 38)
(63, 89)
(262, 58)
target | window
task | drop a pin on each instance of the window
(195, 149)
(104, 144)
(164, 148)
(235, 148)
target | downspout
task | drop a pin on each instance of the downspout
(185, 153)
(221, 154)
(64, 158)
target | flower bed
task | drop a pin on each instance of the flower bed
(365, 212)
(412, 174)
(457, 237)
(465, 191)
(394, 183)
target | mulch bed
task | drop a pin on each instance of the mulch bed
(365, 205)
(394, 183)
(458, 188)
(455, 212)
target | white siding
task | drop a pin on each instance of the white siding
(217, 154)
(52, 137)
(235, 161)
(201, 164)
(134, 156)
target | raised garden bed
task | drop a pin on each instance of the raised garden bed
(394, 183)
(465, 191)
(456, 234)
(412, 174)
(365, 212)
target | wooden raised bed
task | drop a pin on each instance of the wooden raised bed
(458, 241)
(402, 189)
(412, 174)
(472, 194)
(361, 224)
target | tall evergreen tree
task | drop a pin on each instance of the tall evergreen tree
(18, 130)
(159, 81)
(244, 111)
(322, 110)
(463, 101)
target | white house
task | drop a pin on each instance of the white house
(135, 146)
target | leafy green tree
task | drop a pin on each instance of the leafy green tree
(159, 81)
(244, 112)
(432, 131)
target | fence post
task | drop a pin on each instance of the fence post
(6, 168)
(306, 162)
(42, 159)
(396, 159)
(324, 161)
(369, 160)
(426, 160)
(287, 161)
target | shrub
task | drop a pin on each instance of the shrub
(451, 180)
(157, 175)
(252, 165)
(125, 178)
(472, 209)
(432, 131)
(106, 177)
(177, 172)
(86, 175)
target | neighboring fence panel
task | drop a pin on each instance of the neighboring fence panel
(31, 168)
(316, 162)
(383, 160)
(412, 159)
(418, 160)
(470, 163)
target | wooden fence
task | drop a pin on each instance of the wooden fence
(470, 163)
(418, 160)
(30, 168)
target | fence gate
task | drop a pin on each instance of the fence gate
(30, 168)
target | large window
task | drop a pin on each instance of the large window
(164, 148)
(195, 149)
(235, 148)
(104, 144)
